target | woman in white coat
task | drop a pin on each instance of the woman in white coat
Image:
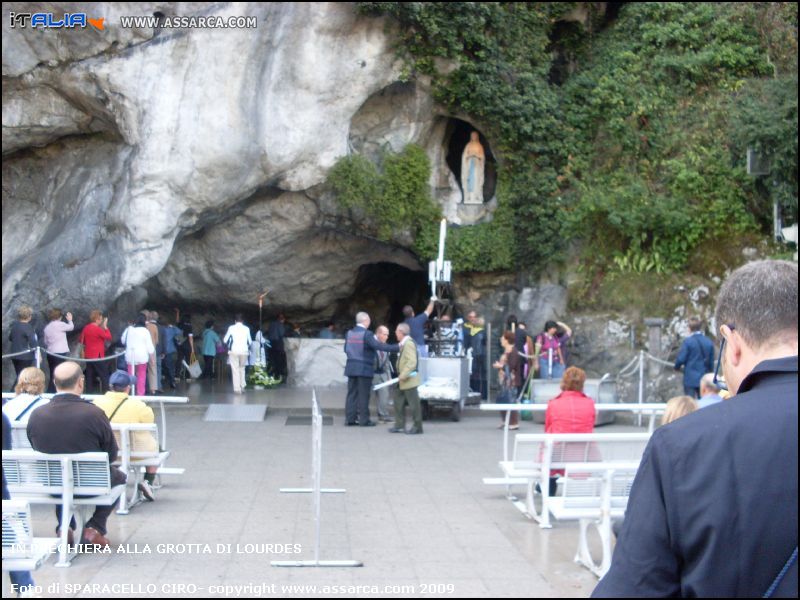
(138, 348)
(238, 341)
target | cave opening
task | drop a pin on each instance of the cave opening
(457, 135)
(382, 290)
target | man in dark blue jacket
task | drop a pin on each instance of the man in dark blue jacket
(713, 509)
(696, 356)
(360, 346)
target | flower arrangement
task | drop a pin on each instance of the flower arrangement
(259, 377)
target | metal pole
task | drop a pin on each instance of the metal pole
(316, 491)
(641, 384)
(488, 381)
(317, 466)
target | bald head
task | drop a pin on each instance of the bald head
(68, 377)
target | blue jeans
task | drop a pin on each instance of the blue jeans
(556, 373)
(20, 580)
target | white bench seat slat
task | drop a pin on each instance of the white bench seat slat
(537, 455)
(128, 461)
(594, 494)
(22, 551)
(41, 478)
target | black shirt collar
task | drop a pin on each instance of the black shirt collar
(785, 365)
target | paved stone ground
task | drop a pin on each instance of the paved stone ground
(416, 513)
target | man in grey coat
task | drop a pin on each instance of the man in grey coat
(383, 373)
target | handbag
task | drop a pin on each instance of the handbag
(221, 348)
(79, 351)
(194, 368)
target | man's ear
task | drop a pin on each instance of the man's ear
(735, 349)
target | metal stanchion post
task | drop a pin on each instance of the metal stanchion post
(488, 381)
(641, 385)
(316, 491)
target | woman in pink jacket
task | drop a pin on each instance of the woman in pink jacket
(55, 341)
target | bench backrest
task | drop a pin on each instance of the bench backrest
(85, 474)
(17, 530)
(20, 441)
(19, 436)
(585, 483)
(555, 450)
(126, 434)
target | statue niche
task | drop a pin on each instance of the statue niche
(473, 163)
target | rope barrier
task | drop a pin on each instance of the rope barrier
(72, 358)
(658, 360)
(630, 369)
(29, 351)
(86, 360)
(633, 363)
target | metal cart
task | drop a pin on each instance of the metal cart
(445, 385)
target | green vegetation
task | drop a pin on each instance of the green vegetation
(636, 150)
(394, 199)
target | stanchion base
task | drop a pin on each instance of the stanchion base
(309, 490)
(317, 563)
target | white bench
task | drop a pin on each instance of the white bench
(161, 400)
(594, 494)
(536, 455)
(41, 478)
(132, 463)
(22, 551)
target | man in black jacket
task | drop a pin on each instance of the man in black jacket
(69, 425)
(276, 334)
(713, 509)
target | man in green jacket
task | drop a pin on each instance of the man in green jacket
(407, 369)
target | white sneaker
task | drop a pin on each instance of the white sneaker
(147, 491)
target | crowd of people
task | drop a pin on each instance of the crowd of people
(726, 451)
(155, 349)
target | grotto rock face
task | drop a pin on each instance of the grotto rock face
(185, 161)
(280, 244)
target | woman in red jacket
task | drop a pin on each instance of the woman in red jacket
(94, 338)
(571, 411)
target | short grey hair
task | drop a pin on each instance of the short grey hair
(404, 328)
(707, 381)
(361, 318)
(760, 301)
(381, 327)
